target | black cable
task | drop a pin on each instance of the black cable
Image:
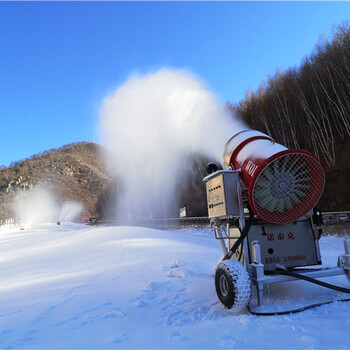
(241, 252)
(241, 246)
(289, 312)
(242, 236)
(315, 281)
(308, 279)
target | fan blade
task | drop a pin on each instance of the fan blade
(280, 205)
(272, 205)
(288, 203)
(301, 187)
(292, 164)
(294, 199)
(301, 194)
(304, 179)
(268, 174)
(275, 167)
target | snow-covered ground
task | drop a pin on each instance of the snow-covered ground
(81, 287)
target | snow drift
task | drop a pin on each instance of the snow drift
(80, 287)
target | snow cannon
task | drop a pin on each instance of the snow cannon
(283, 184)
(279, 240)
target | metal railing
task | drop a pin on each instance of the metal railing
(331, 217)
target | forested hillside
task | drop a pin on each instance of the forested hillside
(308, 107)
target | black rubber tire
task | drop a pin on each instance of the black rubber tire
(233, 285)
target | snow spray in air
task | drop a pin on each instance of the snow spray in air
(153, 124)
(40, 206)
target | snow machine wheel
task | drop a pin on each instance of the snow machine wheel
(233, 285)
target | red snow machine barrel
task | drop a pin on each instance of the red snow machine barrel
(283, 184)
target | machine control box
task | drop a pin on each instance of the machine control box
(282, 246)
(289, 245)
(222, 196)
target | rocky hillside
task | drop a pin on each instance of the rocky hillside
(78, 173)
(75, 172)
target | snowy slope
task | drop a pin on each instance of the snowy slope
(85, 287)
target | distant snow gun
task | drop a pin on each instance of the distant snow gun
(262, 207)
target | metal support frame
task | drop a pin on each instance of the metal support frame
(256, 270)
(344, 259)
(253, 262)
(220, 236)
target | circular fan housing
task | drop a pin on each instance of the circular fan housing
(283, 185)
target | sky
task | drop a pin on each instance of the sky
(59, 60)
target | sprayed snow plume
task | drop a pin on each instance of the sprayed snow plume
(40, 206)
(35, 207)
(154, 123)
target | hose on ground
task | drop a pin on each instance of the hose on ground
(307, 307)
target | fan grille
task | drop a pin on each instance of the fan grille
(288, 188)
